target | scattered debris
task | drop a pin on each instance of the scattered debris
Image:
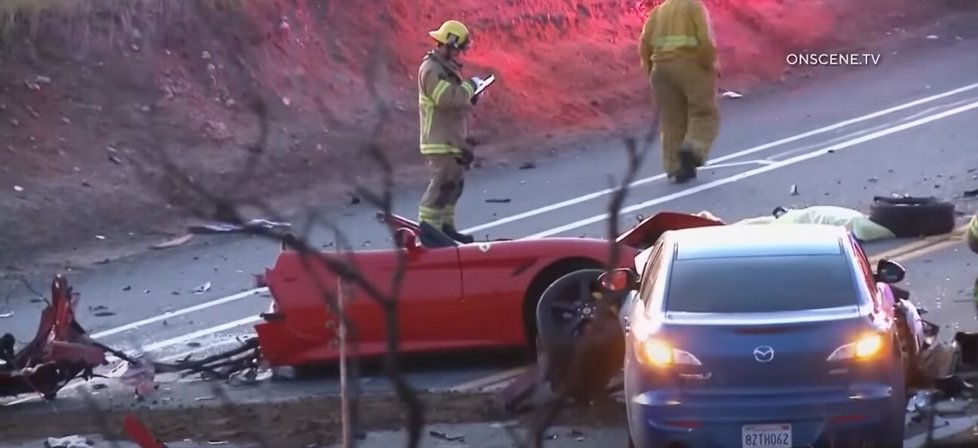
(104, 314)
(140, 375)
(731, 94)
(205, 398)
(18, 188)
(794, 190)
(499, 201)
(354, 199)
(127, 288)
(202, 288)
(115, 160)
(932, 37)
(443, 436)
(528, 166)
(173, 242)
(100, 237)
(232, 228)
(6, 315)
(67, 442)
(193, 344)
(971, 193)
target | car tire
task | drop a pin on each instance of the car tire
(910, 217)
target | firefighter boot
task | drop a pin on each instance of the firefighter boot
(455, 235)
(689, 162)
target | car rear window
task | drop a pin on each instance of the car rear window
(761, 284)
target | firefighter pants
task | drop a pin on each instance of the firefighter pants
(447, 182)
(684, 93)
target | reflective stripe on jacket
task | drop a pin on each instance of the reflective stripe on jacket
(444, 100)
(677, 28)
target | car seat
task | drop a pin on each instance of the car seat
(434, 238)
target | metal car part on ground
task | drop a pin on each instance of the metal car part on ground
(482, 295)
(60, 351)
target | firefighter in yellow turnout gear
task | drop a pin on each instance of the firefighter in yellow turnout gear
(678, 53)
(445, 100)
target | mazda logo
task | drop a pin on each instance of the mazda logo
(763, 353)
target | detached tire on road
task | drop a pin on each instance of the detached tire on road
(910, 217)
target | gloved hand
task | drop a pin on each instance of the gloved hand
(466, 158)
(475, 81)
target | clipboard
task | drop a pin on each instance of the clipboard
(485, 83)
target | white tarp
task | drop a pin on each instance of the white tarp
(854, 220)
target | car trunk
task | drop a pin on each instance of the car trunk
(766, 358)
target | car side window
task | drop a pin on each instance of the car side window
(863, 262)
(866, 270)
(651, 271)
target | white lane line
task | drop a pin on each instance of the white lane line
(680, 194)
(179, 312)
(757, 171)
(822, 130)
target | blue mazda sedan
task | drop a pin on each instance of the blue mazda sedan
(770, 336)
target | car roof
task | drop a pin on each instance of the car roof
(758, 240)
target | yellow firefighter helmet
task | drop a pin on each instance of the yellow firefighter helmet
(451, 33)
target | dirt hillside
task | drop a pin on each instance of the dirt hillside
(89, 88)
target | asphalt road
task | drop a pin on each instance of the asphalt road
(906, 126)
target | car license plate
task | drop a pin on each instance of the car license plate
(767, 436)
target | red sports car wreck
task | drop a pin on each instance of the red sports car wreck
(452, 297)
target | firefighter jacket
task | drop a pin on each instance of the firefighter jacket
(445, 100)
(678, 28)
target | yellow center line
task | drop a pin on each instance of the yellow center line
(899, 254)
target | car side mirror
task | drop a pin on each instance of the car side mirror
(405, 238)
(619, 280)
(889, 271)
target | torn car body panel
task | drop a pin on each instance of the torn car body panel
(466, 296)
(60, 351)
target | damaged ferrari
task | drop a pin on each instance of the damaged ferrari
(452, 296)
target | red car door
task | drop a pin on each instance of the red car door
(427, 302)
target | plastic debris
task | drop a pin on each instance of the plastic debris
(731, 94)
(202, 288)
(232, 228)
(6, 315)
(67, 442)
(932, 37)
(173, 242)
(18, 188)
(444, 436)
(498, 201)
